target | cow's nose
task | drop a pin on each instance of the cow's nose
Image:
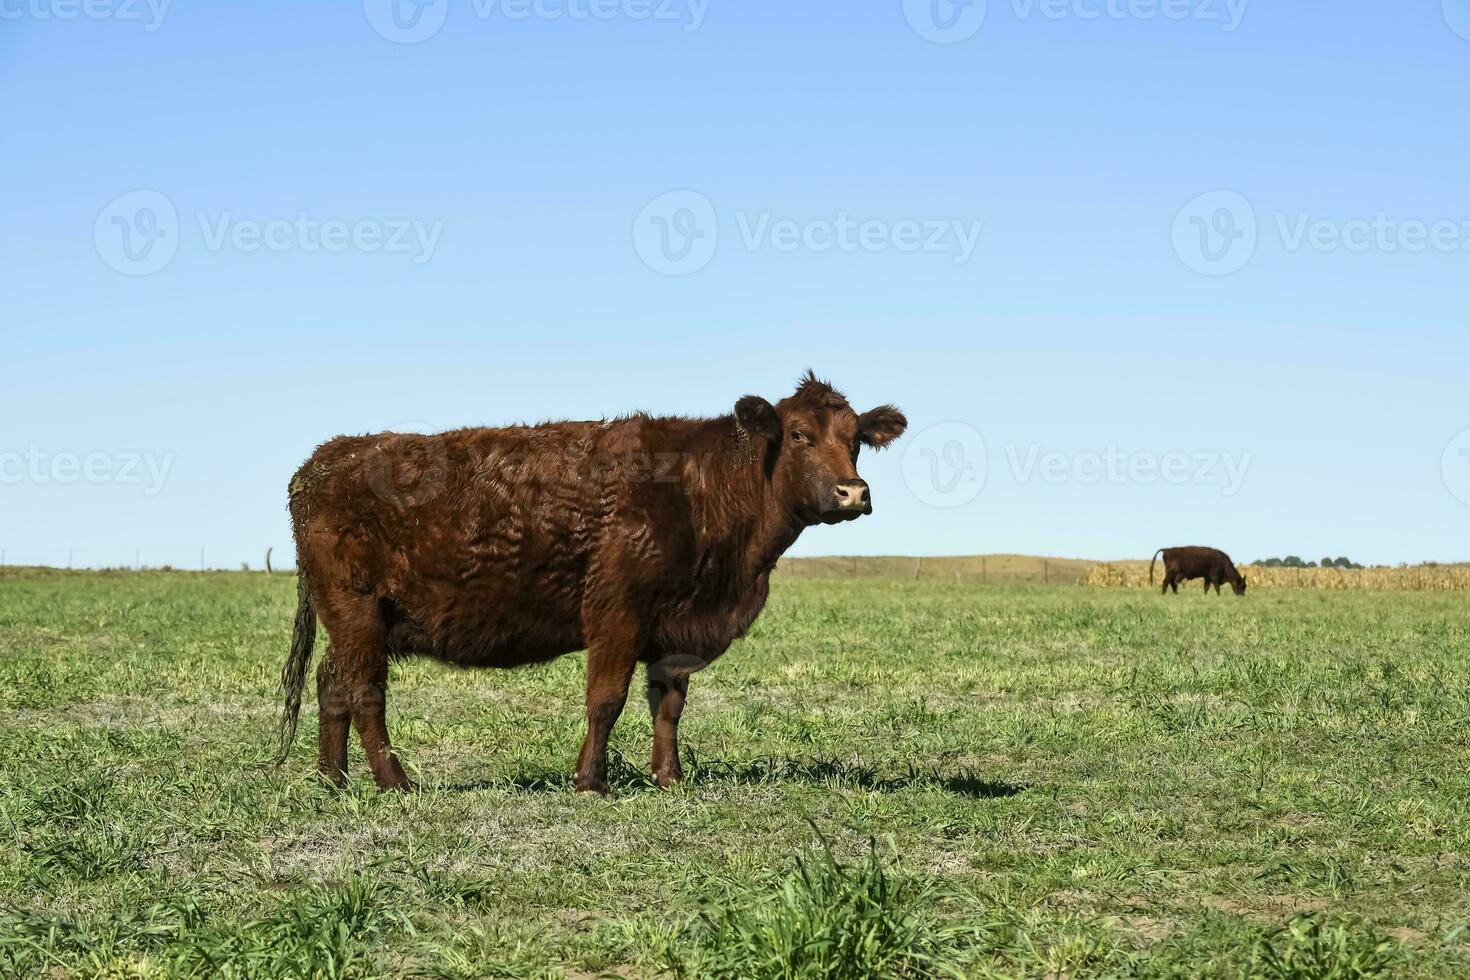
(853, 495)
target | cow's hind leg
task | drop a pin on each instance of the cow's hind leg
(333, 717)
(668, 687)
(370, 718)
(360, 673)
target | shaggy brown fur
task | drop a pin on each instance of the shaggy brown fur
(1187, 564)
(639, 539)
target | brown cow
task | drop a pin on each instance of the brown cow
(639, 539)
(1187, 564)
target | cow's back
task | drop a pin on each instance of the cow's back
(474, 543)
(1195, 561)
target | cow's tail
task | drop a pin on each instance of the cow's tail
(293, 674)
(1151, 565)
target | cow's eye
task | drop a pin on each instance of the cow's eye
(800, 438)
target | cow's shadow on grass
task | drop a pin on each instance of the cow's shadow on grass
(623, 777)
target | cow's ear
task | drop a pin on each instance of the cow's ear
(879, 426)
(758, 417)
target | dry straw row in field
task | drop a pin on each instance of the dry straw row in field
(1415, 578)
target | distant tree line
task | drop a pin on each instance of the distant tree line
(1292, 561)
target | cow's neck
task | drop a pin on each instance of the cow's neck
(740, 520)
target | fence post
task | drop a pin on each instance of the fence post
(918, 565)
(268, 561)
(1045, 572)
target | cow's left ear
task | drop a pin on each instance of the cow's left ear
(758, 417)
(879, 426)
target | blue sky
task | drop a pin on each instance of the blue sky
(1140, 273)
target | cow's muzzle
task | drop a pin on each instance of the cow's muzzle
(850, 500)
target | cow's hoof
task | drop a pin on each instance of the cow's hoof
(398, 786)
(598, 786)
(336, 779)
(394, 780)
(663, 780)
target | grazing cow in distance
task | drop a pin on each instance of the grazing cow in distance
(1187, 564)
(640, 539)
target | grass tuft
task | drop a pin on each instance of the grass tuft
(827, 919)
(1313, 948)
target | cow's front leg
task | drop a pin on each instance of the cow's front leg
(612, 653)
(668, 687)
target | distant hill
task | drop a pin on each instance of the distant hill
(990, 568)
(1428, 577)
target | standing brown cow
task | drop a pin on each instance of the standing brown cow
(1187, 564)
(639, 539)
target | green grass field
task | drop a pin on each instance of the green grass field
(887, 778)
